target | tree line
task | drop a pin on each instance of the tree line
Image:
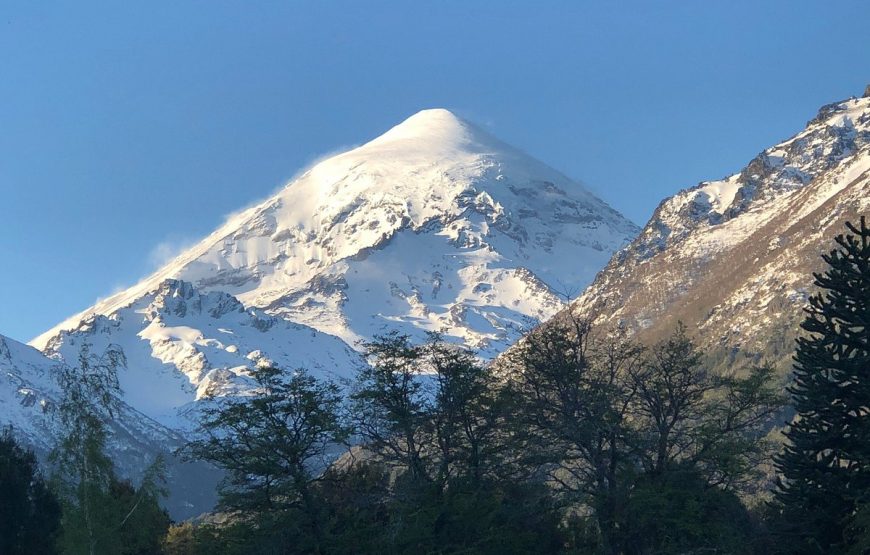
(577, 440)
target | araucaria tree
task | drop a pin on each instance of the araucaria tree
(825, 466)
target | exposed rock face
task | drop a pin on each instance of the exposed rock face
(733, 258)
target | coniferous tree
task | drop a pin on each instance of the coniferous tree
(29, 511)
(825, 466)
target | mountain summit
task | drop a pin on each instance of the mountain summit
(434, 226)
(433, 127)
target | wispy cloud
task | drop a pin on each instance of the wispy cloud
(165, 251)
(295, 176)
(168, 249)
(117, 288)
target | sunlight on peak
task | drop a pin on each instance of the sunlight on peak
(434, 124)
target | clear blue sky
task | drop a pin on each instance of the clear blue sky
(128, 128)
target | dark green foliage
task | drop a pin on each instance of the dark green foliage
(270, 445)
(430, 416)
(600, 415)
(825, 465)
(569, 402)
(681, 414)
(679, 512)
(390, 408)
(143, 523)
(370, 516)
(424, 483)
(429, 410)
(131, 521)
(361, 517)
(857, 532)
(83, 472)
(29, 511)
(483, 518)
(465, 416)
(582, 446)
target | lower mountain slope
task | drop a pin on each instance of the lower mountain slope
(733, 259)
(28, 400)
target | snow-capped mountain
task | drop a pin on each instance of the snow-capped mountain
(433, 226)
(28, 393)
(733, 258)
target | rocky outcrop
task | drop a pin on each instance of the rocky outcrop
(734, 258)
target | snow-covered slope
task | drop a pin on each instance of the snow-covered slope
(433, 226)
(183, 345)
(733, 258)
(28, 400)
(27, 393)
